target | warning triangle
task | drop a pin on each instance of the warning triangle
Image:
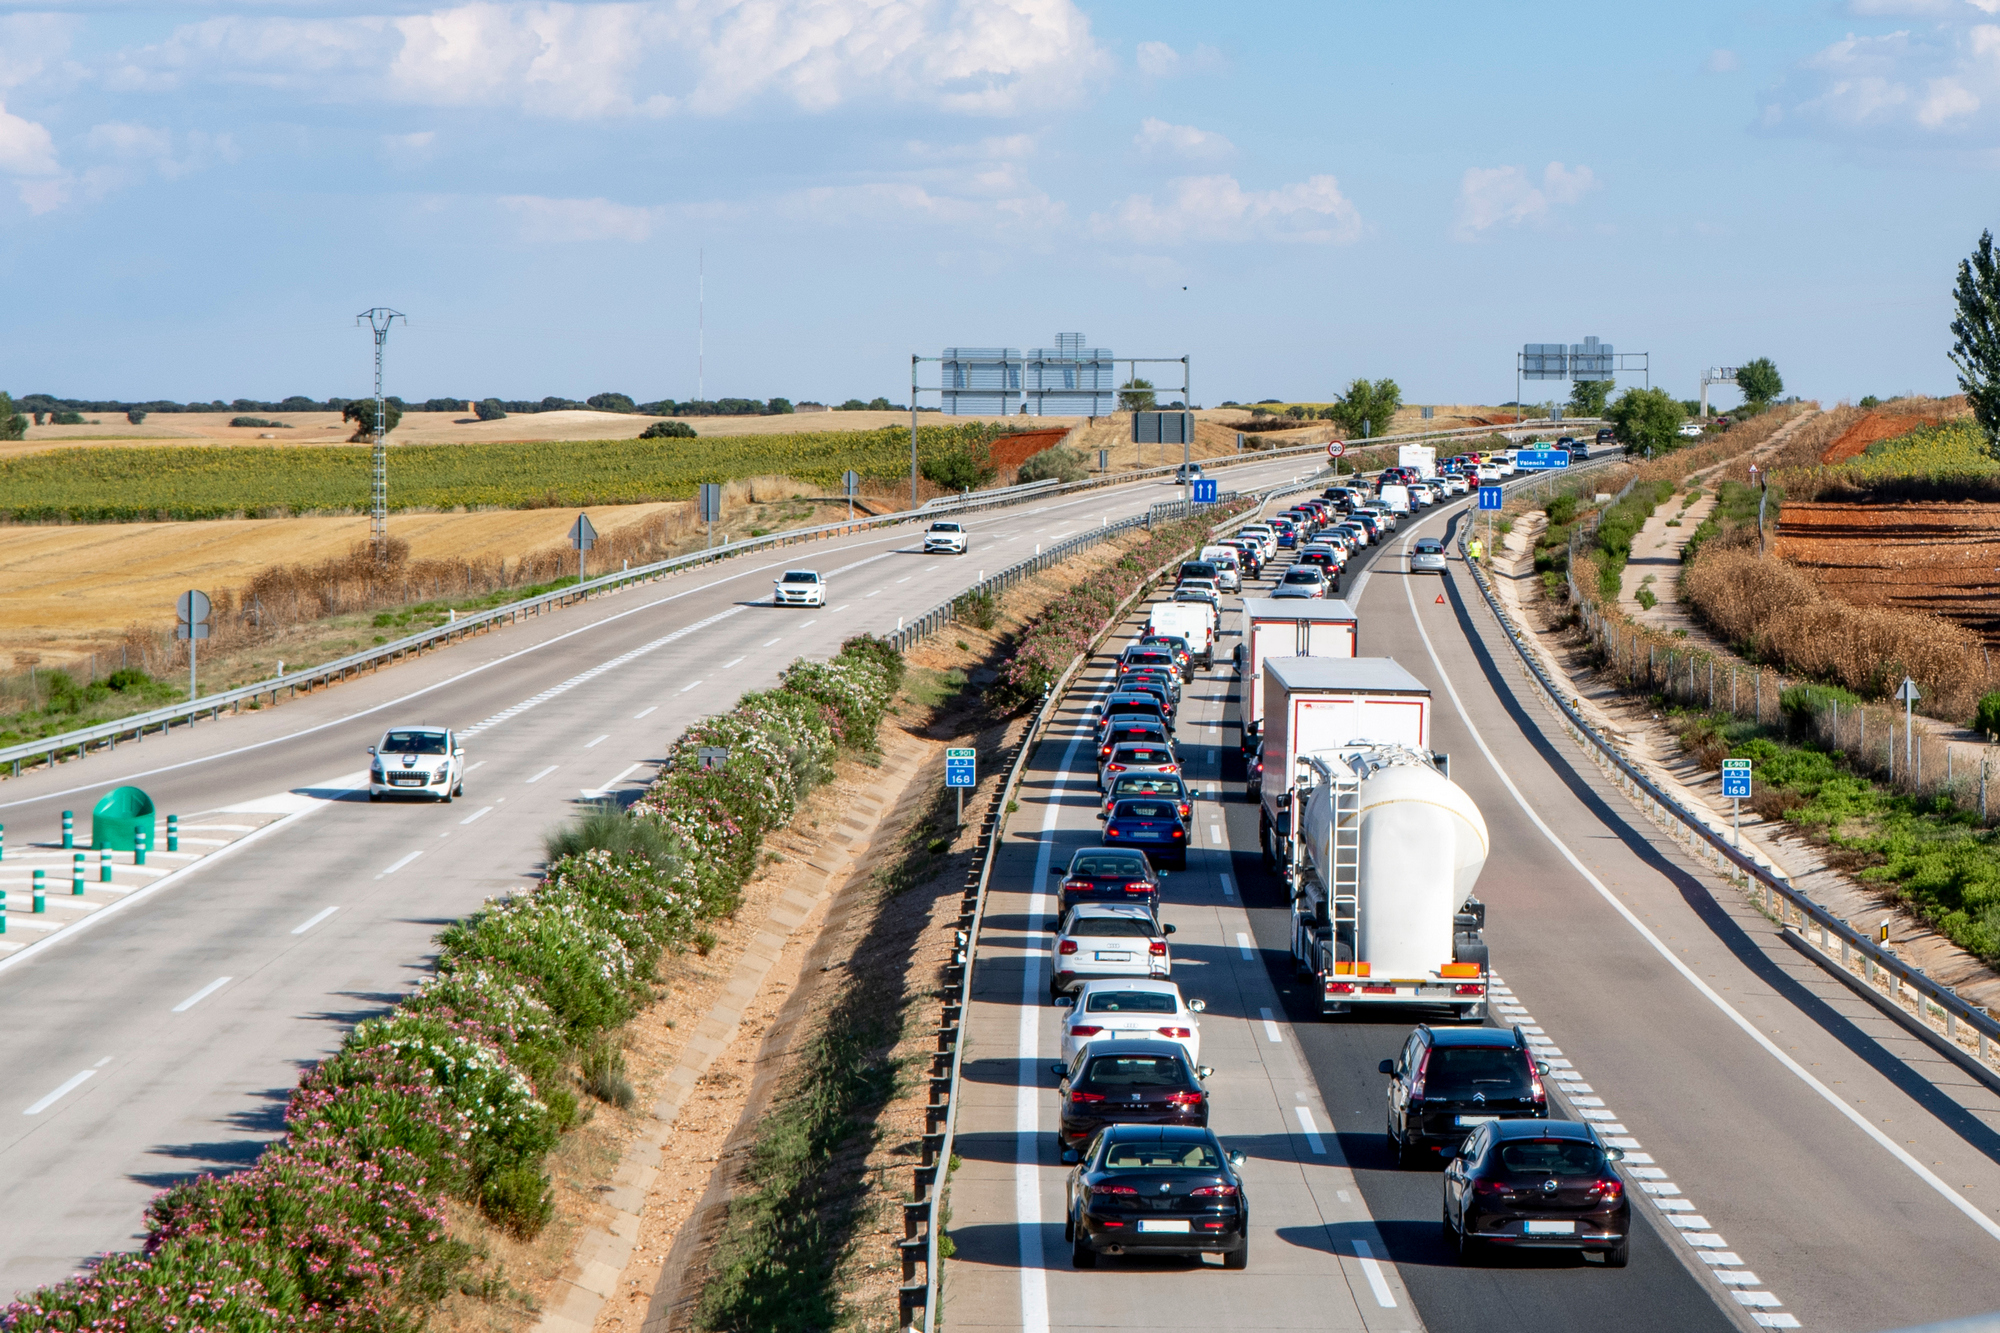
(1440, 600)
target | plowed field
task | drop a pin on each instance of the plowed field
(1854, 441)
(1940, 558)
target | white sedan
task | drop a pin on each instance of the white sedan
(799, 587)
(1114, 1010)
(417, 761)
(947, 538)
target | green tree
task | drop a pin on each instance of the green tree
(1975, 347)
(1368, 408)
(1587, 397)
(1136, 395)
(489, 409)
(1646, 419)
(960, 466)
(1055, 463)
(668, 430)
(778, 407)
(1760, 381)
(612, 402)
(13, 426)
(362, 413)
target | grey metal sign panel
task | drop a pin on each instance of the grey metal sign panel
(582, 536)
(192, 608)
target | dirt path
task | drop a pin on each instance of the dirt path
(1655, 564)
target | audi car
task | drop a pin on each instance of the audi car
(1106, 875)
(1117, 1009)
(1108, 940)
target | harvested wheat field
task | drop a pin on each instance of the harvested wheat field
(1941, 558)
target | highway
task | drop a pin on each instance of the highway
(1796, 1159)
(164, 1039)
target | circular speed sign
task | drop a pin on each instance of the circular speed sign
(1335, 448)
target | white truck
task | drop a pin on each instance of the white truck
(1294, 627)
(1379, 848)
(1193, 621)
(1422, 457)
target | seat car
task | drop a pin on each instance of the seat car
(1108, 940)
(1537, 1184)
(1116, 1009)
(1128, 1083)
(1446, 1082)
(1107, 875)
(799, 587)
(1301, 581)
(1170, 785)
(1155, 825)
(1136, 757)
(1427, 556)
(948, 538)
(417, 761)
(1157, 1190)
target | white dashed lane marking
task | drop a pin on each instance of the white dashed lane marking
(313, 921)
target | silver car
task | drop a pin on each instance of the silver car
(1427, 556)
(1301, 581)
(1129, 757)
(417, 761)
(1108, 940)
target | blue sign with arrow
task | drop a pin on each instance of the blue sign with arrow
(1490, 497)
(1205, 492)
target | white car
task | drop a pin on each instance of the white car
(799, 587)
(1108, 940)
(948, 538)
(1489, 472)
(417, 761)
(1691, 430)
(1116, 1009)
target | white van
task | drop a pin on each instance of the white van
(1394, 498)
(1193, 621)
(1228, 568)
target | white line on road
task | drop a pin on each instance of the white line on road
(405, 861)
(616, 778)
(769, 642)
(1215, 834)
(544, 773)
(302, 929)
(1243, 943)
(56, 1096)
(1309, 1129)
(876, 593)
(481, 763)
(480, 813)
(737, 662)
(804, 624)
(655, 707)
(1373, 1268)
(1270, 1028)
(605, 737)
(1228, 889)
(691, 684)
(200, 995)
(842, 607)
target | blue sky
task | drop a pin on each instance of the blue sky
(196, 199)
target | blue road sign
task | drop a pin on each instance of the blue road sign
(1489, 497)
(1540, 460)
(1205, 491)
(1736, 779)
(959, 768)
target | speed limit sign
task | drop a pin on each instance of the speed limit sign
(1335, 448)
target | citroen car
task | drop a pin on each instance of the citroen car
(1446, 1082)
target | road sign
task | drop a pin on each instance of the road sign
(582, 536)
(712, 756)
(1335, 448)
(850, 482)
(1907, 691)
(711, 501)
(1736, 779)
(1490, 497)
(187, 631)
(1205, 492)
(192, 608)
(961, 768)
(1540, 460)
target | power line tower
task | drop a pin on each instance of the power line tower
(379, 319)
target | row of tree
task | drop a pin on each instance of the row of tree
(54, 408)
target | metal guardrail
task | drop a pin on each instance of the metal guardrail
(1780, 897)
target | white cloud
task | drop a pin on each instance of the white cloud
(1936, 85)
(565, 220)
(409, 150)
(1157, 138)
(1217, 208)
(1721, 61)
(1490, 196)
(26, 149)
(654, 57)
(1157, 60)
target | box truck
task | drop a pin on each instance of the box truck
(1289, 628)
(1422, 457)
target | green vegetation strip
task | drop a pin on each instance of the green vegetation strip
(207, 482)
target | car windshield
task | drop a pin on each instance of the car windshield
(1131, 1002)
(1112, 866)
(1134, 1071)
(1551, 1157)
(1146, 810)
(1460, 1071)
(1113, 927)
(944, 527)
(1302, 575)
(801, 576)
(1161, 1157)
(412, 742)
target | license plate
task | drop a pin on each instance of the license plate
(1179, 1224)
(1433, 990)
(1114, 957)
(1153, 836)
(397, 780)
(1466, 1121)
(1551, 1228)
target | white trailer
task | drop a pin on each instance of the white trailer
(1319, 703)
(1295, 627)
(1422, 457)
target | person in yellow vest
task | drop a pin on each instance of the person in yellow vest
(1478, 549)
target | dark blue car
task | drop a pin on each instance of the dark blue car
(1153, 826)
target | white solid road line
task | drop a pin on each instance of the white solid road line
(653, 708)
(1373, 1268)
(400, 864)
(1243, 943)
(302, 929)
(1707, 992)
(805, 624)
(1228, 889)
(480, 813)
(544, 773)
(200, 995)
(1310, 1130)
(56, 1096)
(1270, 1026)
(590, 744)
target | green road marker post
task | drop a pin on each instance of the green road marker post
(104, 866)
(173, 833)
(76, 876)
(69, 829)
(139, 841)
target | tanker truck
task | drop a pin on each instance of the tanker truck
(1379, 848)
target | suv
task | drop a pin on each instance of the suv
(949, 538)
(1606, 435)
(1446, 1082)
(1108, 940)
(417, 761)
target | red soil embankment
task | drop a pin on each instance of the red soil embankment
(1941, 558)
(1014, 450)
(1854, 441)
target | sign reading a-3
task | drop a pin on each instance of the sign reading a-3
(960, 768)
(1540, 460)
(1736, 779)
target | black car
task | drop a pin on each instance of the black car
(1107, 875)
(1131, 730)
(1157, 1189)
(1253, 773)
(1168, 675)
(1149, 685)
(1537, 1184)
(1128, 1083)
(1447, 1082)
(1154, 826)
(1606, 435)
(1128, 707)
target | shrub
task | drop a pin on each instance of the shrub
(66, 418)
(612, 402)
(261, 422)
(1056, 463)
(603, 1073)
(1986, 717)
(1562, 509)
(128, 678)
(668, 430)
(136, 416)
(963, 466)
(980, 609)
(1802, 703)
(520, 1198)
(603, 826)
(489, 409)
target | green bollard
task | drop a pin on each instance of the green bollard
(41, 902)
(76, 876)
(139, 848)
(3, 911)
(69, 829)
(40, 885)
(3, 842)
(104, 866)
(173, 833)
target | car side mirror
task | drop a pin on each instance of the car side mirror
(1542, 1067)
(1065, 1001)
(1236, 1157)
(1168, 929)
(458, 753)
(1057, 874)
(1614, 1154)
(1204, 1072)
(371, 749)
(1386, 1067)
(1057, 1069)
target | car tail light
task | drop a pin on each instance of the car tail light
(1078, 884)
(1103, 750)
(1158, 948)
(1171, 1032)
(1086, 1030)
(1488, 1187)
(1462, 989)
(1609, 1190)
(1067, 946)
(1170, 768)
(1086, 1096)
(1110, 832)
(1113, 1189)
(1213, 1192)
(1139, 886)
(1114, 768)
(1185, 1098)
(1423, 1067)
(1536, 1090)
(1340, 988)
(1188, 810)
(1180, 833)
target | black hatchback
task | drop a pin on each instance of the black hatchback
(1446, 1082)
(1157, 1189)
(1107, 875)
(1128, 1083)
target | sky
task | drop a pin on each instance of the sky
(791, 197)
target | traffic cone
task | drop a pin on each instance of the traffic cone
(1440, 600)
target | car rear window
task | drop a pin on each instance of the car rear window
(1112, 927)
(1551, 1157)
(1130, 1002)
(1197, 569)
(412, 742)
(1134, 1071)
(1152, 786)
(1302, 576)
(1149, 659)
(1121, 735)
(1147, 810)
(1428, 546)
(1161, 1157)
(1143, 754)
(1460, 1071)
(1107, 867)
